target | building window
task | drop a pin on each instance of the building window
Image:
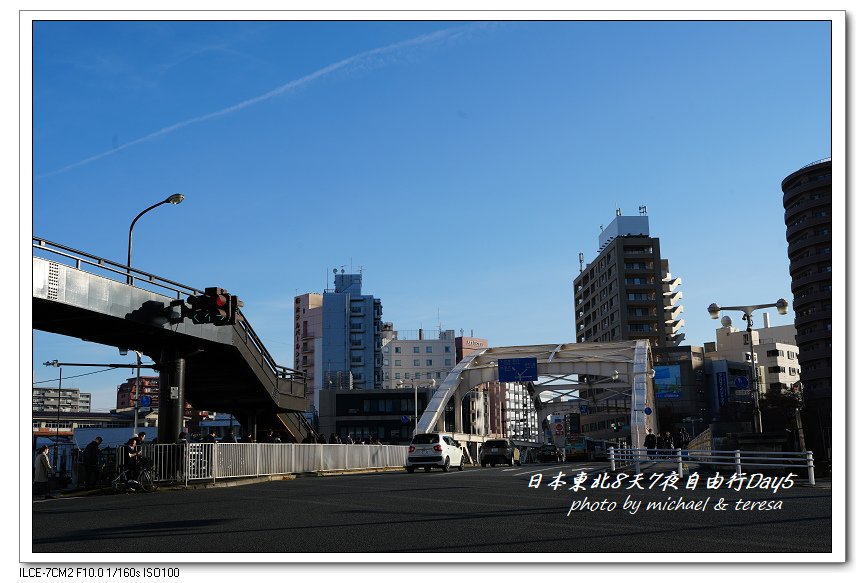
(447, 362)
(397, 349)
(417, 362)
(397, 363)
(386, 362)
(429, 362)
(415, 349)
(447, 348)
(429, 349)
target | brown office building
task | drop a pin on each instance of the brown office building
(808, 216)
(627, 292)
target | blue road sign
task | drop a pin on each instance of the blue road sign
(584, 409)
(518, 370)
(647, 410)
(404, 419)
(741, 382)
(145, 401)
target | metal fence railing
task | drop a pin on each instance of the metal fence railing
(736, 459)
(179, 463)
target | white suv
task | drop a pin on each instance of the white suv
(433, 449)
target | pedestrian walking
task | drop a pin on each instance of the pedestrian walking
(681, 439)
(650, 443)
(91, 463)
(667, 444)
(181, 456)
(43, 470)
(229, 437)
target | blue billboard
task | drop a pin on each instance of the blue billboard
(668, 382)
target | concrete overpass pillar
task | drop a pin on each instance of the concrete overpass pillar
(172, 395)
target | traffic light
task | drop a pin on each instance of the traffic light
(216, 306)
(616, 426)
(199, 309)
(222, 305)
(219, 304)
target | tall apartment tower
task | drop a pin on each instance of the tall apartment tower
(337, 337)
(808, 216)
(627, 292)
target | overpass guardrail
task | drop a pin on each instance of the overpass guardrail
(716, 460)
(119, 272)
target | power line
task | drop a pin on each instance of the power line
(74, 377)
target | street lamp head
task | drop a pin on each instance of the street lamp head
(651, 373)
(175, 199)
(615, 376)
(714, 311)
(782, 306)
(52, 363)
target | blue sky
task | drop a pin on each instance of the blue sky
(464, 165)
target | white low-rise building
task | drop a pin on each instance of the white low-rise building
(775, 352)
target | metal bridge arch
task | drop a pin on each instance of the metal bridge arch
(568, 375)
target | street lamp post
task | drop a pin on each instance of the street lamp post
(415, 386)
(715, 311)
(173, 199)
(56, 364)
(137, 398)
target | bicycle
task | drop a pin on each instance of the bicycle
(142, 478)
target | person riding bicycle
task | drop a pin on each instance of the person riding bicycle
(131, 458)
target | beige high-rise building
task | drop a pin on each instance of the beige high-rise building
(308, 318)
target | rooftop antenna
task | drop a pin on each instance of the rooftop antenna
(582, 257)
(643, 210)
(618, 212)
(360, 269)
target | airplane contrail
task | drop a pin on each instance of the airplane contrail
(447, 34)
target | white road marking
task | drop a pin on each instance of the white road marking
(542, 469)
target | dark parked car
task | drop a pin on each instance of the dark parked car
(550, 453)
(498, 451)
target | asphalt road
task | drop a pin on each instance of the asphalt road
(479, 510)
